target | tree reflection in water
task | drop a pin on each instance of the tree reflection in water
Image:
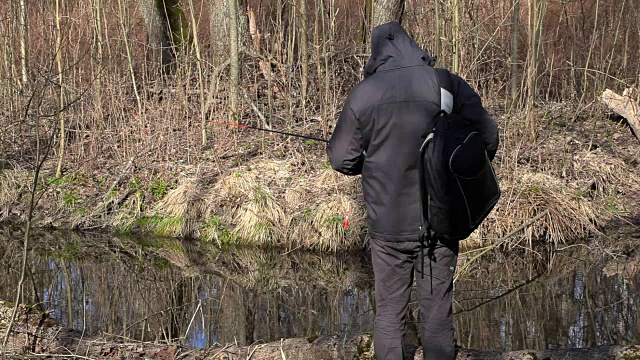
(166, 289)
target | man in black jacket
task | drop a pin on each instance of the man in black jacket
(379, 133)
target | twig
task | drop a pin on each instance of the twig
(257, 111)
(66, 356)
(254, 350)
(282, 351)
(509, 291)
(221, 350)
(193, 317)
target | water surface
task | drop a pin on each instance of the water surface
(166, 289)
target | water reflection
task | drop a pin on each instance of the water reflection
(165, 289)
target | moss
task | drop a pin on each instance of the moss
(160, 188)
(216, 230)
(161, 264)
(172, 11)
(70, 251)
(169, 226)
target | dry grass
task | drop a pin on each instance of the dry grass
(525, 194)
(604, 174)
(180, 210)
(12, 184)
(274, 202)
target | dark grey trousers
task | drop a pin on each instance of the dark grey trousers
(394, 266)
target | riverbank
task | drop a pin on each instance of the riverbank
(267, 190)
(37, 335)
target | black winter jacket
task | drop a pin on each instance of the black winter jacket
(384, 121)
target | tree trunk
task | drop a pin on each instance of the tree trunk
(515, 28)
(438, 26)
(455, 37)
(196, 44)
(365, 25)
(243, 24)
(167, 29)
(99, 55)
(219, 31)
(387, 10)
(304, 56)
(585, 79)
(122, 13)
(23, 42)
(536, 14)
(234, 51)
(61, 89)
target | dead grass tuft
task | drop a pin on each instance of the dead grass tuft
(13, 183)
(525, 194)
(257, 217)
(604, 174)
(288, 203)
(181, 210)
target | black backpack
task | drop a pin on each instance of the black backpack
(458, 186)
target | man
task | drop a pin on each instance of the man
(383, 123)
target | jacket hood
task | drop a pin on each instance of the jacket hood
(392, 48)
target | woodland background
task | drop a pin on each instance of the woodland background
(124, 77)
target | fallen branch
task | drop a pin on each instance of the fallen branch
(626, 107)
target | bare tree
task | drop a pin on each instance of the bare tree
(536, 15)
(123, 16)
(234, 50)
(387, 10)
(304, 55)
(455, 36)
(23, 41)
(515, 28)
(61, 89)
(438, 28)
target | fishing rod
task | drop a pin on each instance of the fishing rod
(253, 127)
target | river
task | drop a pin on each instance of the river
(199, 294)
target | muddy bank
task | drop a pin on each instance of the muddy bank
(36, 334)
(272, 191)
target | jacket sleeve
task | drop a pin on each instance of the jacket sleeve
(468, 104)
(345, 149)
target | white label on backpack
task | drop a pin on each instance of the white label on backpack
(446, 101)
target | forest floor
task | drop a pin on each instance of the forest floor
(251, 187)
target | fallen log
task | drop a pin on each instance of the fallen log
(624, 106)
(36, 335)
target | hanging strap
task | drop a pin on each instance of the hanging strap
(446, 107)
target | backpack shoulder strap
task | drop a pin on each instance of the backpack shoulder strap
(446, 90)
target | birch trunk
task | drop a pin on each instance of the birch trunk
(438, 26)
(61, 89)
(455, 37)
(23, 42)
(387, 10)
